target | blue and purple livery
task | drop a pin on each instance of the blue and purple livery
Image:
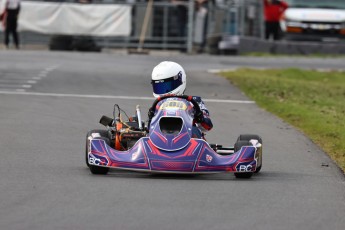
(170, 147)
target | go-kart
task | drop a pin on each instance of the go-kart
(166, 144)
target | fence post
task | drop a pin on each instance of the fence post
(165, 26)
(242, 22)
(262, 20)
(190, 26)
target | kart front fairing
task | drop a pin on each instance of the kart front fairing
(170, 148)
(171, 127)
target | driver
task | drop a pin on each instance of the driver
(170, 78)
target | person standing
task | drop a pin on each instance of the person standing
(182, 16)
(11, 18)
(273, 12)
(200, 32)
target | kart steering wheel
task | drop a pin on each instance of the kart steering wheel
(188, 98)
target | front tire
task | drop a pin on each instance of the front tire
(103, 136)
(248, 137)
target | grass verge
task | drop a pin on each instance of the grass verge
(312, 101)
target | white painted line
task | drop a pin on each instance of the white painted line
(113, 97)
(232, 69)
(13, 81)
(51, 68)
(229, 101)
(26, 86)
(221, 70)
(11, 90)
(216, 71)
(11, 86)
(36, 78)
(31, 82)
(14, 78)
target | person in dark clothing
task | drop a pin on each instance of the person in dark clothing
(11, 18)
(182, 16)
(273, 12)
(200, 32)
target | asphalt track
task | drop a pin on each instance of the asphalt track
(44, 183)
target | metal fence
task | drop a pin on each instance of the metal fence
(183, 27)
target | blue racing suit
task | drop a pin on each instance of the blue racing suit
(205, 123)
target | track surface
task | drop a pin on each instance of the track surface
(44, 183)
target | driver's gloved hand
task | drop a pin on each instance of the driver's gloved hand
(199, 117)
(151, 113)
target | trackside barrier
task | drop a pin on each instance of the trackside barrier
(182, 26)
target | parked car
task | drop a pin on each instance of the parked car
(314, 20)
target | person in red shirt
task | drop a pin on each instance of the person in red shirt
(273, 12)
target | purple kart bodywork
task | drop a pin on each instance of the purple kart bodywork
(172, 152)
(197, 157)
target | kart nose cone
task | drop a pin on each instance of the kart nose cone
(170, 134)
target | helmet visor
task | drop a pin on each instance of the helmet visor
(166, 85)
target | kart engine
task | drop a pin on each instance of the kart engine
(124, 134)
(127, 134)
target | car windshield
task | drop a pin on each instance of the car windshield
(329, 4)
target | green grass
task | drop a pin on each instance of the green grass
(312, 101)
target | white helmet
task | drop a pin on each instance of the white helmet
(168, 78)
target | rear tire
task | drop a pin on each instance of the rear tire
(248, 137)
(245, 175)
(237, 147)
(104, 136)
